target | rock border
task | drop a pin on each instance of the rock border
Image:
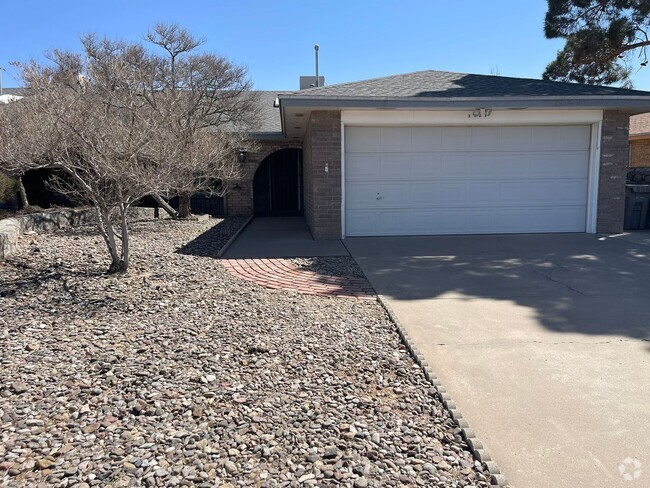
(234, 237)
(13, 228)
(477, 448)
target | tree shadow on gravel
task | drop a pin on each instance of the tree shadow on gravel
(32, 278)
(211, 241)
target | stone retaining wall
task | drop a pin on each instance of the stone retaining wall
(11, 229)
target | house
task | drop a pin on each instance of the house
(11, 94)
(640, 141)
(434, 152)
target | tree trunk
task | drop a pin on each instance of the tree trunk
(22, 193)
(165, 206)
(184, 210)
(125, 239)
(118, 263)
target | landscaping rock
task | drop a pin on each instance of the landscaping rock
(178, 373)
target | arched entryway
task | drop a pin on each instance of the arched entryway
(277, 186)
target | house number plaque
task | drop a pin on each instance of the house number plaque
(480, 113)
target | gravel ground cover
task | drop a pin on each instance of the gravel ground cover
(333, 266)
(179, 374)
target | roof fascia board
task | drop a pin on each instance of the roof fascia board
(266, 136)
(591, 102)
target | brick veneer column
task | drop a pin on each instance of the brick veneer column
(321, 150)
(614, 154)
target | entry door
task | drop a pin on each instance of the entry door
(277, 185)
(466, 180)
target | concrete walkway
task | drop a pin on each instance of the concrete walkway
(281, 237)
(542, 342)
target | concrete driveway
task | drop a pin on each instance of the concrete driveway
(541, 340)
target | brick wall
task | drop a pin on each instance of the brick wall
(240, 201)
(321, 148)
(640, 153)
(614, 154)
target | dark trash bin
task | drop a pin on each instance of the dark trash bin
(637, 204)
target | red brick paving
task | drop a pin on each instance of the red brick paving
(282, 274)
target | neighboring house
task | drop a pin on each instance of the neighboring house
(640, 141)
(11, 94)
(434, 152)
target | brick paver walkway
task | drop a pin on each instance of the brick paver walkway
(282, 274)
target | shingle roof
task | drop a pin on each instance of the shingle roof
(14, 91)
(444, 84)
(269, 115)
(640, 124)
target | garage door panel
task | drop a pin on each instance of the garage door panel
(425, 166)
(497, 165)
(483, 192)
(361, 167)
(544, 137)
(422, 221)
(574, 138)
(516, 138)
(362, 223)
(452, 220)
(512, 193)
(550, 219)
(561, 138)
(392, 194)
(452, 192)
(424, 193)
(464, 180)
(512, 165)
(552, 192)
(454, 165)
(454, 138)
(395, 139)
(571, 192)
(484, 138)
(391, 167)
(392, 221)
(574, 164)
(361, 195)
(362, 139)
(424, 139)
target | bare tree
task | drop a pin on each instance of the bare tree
(109, 124)
(208, 104)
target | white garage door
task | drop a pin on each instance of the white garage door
(465, 180)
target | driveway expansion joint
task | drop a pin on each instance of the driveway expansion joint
(476, 447)
(282, 274)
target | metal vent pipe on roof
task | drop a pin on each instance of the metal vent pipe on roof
(316, 48)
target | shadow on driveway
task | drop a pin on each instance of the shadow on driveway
(573, 282)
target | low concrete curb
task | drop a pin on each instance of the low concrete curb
(13, 228)
(227, 245)
(475, 445)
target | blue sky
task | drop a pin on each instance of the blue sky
(274, 39)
